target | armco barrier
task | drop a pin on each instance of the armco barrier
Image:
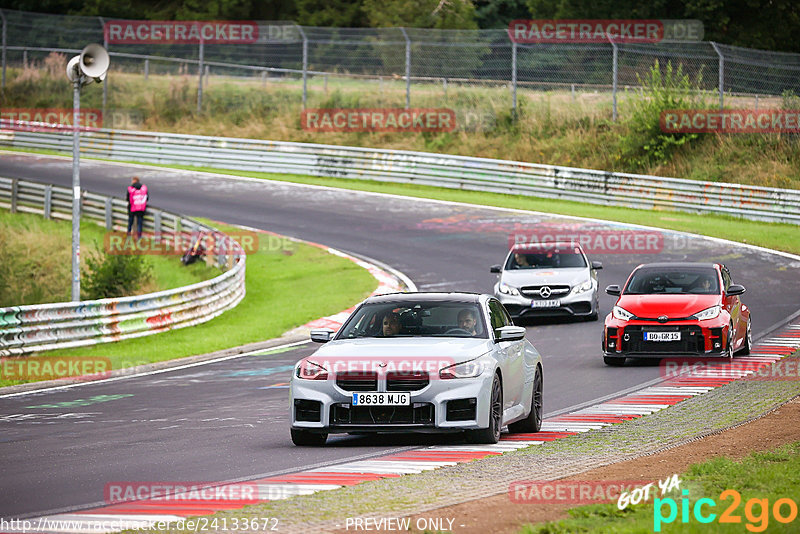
(26, 329)
(456, 172)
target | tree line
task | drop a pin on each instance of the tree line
(763, 24)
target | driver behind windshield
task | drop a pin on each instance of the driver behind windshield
(391, 324)
(467, 321)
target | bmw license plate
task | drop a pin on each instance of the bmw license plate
(546, 304)
(381, 399)
(662, 336)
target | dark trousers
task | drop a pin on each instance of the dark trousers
(139, 216)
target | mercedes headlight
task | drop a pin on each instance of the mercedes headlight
(583, 288)
(508, 290)
(708, 313)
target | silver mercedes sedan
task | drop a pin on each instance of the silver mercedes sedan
(548, 280)
(419, 362)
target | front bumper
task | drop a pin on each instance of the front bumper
(323, 406)
(579, 305)
(698, 338)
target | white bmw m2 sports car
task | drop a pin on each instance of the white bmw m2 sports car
(419, 362)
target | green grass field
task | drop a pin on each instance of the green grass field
(760, 480)
(35, 261)
(286, 287)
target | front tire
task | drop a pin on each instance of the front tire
(614, 361)
(748, 341)
(490, 434)
(304, 438)
(532, 423)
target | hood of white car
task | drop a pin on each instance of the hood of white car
(538, 277)
(452, 349)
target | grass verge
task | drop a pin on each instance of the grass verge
(285, 288)
(760, 479)
(35, 264)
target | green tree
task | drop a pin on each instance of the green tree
(498, 13)
(338, 13)
(439, 14)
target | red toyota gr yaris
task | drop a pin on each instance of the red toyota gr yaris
(684, 309)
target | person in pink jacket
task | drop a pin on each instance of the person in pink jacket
(137, 205)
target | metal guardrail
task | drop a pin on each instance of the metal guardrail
(441, 170)
(34, 328)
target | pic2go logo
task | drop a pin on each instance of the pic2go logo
(756, 511)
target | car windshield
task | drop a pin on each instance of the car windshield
(552, 258)
(688, 281)
(415, 319)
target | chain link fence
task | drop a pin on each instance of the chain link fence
(480, 74)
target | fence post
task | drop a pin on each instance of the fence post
(14, 191)
(408, 67)
(200, 80)
(615, 74)
(157, 226)
(305, 66)
(3, 16)
(105, 79)
(514, 77)
(721, 75)
(25, 59)
(109, 214)
(146, 69)
(48, 201)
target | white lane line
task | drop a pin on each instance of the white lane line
(156, 371)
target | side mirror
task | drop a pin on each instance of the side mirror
(510, 333)
(735, 289)
(613, 290)
(597, 265)
(321, 335)
(494, 269)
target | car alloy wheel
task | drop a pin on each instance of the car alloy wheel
(491, 434)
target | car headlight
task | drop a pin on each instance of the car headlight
(708, 313)
(469, 369)
(621, 313)
(508, 290)
(582, 288)
(311, 371)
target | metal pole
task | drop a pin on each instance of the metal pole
(721, 75)
(305, 65)
(200, 80)
(514, 77)
(76, 192)
(615, 74)
(3, 16)
(408, 67)
(105, 80)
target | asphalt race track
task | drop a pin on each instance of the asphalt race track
(229, 420)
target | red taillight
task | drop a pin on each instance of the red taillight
(311, 371)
